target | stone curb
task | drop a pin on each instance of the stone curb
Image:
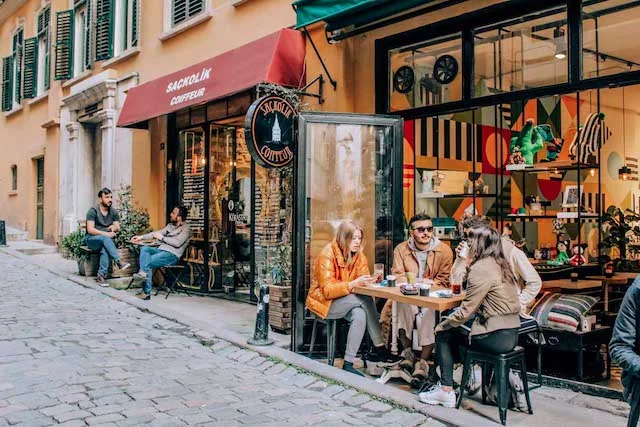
(399, 397)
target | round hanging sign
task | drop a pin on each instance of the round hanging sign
(269, 131)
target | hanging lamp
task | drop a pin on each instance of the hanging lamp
(624, 172)
(561, 45)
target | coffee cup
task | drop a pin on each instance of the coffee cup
(391, 281)
(424, 290)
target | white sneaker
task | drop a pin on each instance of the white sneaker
(475, 380)
(437, 396)
(104, 285)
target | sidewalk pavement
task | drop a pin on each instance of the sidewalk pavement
(214, 318)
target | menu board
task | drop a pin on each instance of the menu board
(193, 182)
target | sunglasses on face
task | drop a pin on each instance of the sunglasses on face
(423, 229)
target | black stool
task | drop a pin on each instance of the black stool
(330, 324)
(529, 325)
(501, 363)
(171, 278)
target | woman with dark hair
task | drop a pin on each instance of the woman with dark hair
(341, 267)
(488, 318)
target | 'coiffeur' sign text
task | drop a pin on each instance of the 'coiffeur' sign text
(269, 131)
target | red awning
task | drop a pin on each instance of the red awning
(276, 58)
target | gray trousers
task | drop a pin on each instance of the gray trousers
(361, 312)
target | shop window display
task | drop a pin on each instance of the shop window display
(426, 74)
(604, 51)
(521, 53)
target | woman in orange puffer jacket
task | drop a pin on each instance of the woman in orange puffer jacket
(341, 267)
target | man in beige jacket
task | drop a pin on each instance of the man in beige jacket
(427, 257)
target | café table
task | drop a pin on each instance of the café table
(395, 295)
(617, 279)
(570, 284)
(152, 243)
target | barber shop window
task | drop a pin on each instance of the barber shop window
(521, 53)
(427, 73)
(14, 178)
(610, 30)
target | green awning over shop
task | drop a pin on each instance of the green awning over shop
(342, 13)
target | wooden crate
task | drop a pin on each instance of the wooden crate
(280, 308)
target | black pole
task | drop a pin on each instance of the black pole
(3, 234)
(261, 332)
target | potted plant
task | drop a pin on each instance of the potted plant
(134, 220)
(71, 245)
(620, 227)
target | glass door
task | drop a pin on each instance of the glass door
(349, 167)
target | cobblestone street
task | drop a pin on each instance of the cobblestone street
(76, 357)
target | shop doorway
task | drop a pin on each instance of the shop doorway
(40, 198)
(213, 169)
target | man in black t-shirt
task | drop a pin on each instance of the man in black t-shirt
(103, 222)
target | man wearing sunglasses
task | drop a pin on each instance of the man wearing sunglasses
(427, 257)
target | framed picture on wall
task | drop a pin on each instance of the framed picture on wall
(571, 197)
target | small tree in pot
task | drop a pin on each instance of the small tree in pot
(134, 220)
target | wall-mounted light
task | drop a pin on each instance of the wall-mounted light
(592, 172)
(561, 45)
(624, 172)
(170, 166)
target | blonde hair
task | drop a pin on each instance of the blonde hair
(344, 236)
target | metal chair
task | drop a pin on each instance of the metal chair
(501, 364)
(171, 275)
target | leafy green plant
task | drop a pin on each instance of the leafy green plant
(619, 227)
(72, 243)
(134, 220)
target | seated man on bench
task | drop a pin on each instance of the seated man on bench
(103, 222)
(174, 239)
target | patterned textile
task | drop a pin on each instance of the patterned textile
(588, 138)
(563, 312)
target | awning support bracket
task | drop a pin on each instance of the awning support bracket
(320, 94)
(333, 82)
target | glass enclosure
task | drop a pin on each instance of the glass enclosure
(345, 172)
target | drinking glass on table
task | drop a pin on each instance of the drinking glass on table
(378, 272)
(411, 277)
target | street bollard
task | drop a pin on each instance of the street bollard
(3, 234)
(261, 333)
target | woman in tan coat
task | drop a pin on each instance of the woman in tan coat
(488, 318)
(341, 267)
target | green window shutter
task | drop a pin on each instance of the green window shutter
(183, 10)
(64, 45)
(104, 29)
(88, 37)
(47, 48)
(44, 29)
(18, 55)
(178, 12)
(135, 24)
(7, 93)
(30, 82)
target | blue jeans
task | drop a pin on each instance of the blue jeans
(107, 250)
(151, 258)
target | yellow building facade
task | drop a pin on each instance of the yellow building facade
(68, 65)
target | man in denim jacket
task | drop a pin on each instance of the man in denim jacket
(625, 349)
